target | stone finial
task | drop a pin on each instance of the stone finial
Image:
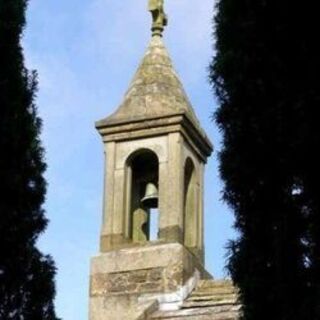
(160, 19)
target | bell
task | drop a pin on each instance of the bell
(150, 199)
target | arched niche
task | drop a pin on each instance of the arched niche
(142, 169)
(191, 219)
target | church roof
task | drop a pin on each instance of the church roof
(211, 299)
(154, 92)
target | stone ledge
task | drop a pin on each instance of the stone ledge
(155, 126)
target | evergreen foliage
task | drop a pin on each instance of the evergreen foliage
(26, 275)
(266, 75)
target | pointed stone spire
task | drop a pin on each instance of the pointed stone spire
(155, 94)
(155, 90)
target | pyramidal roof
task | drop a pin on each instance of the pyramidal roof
(154, 92)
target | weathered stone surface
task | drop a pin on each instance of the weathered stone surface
(172, 233)
(208, 314)
(141, 276)
(154, 268)
(155, 271)
(126, 307)
(214, 300)
(155, 90)
(134, 281)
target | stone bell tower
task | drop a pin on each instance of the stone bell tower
(155, 154)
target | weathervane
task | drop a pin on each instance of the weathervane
(159, 17)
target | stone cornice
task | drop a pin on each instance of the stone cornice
(156, 126)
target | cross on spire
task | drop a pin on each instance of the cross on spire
(159, 18)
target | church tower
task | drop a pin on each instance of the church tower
(151, 245)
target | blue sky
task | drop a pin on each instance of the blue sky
(86, 52)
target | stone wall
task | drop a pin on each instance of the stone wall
(134, 281)
(131, 276)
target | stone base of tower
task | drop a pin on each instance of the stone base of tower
(134, 282)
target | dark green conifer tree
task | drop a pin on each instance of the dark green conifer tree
(26, 275)
(266, 75)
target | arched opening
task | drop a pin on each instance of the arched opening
(143, 177)
(190, 206)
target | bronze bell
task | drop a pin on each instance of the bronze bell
(150, 199)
